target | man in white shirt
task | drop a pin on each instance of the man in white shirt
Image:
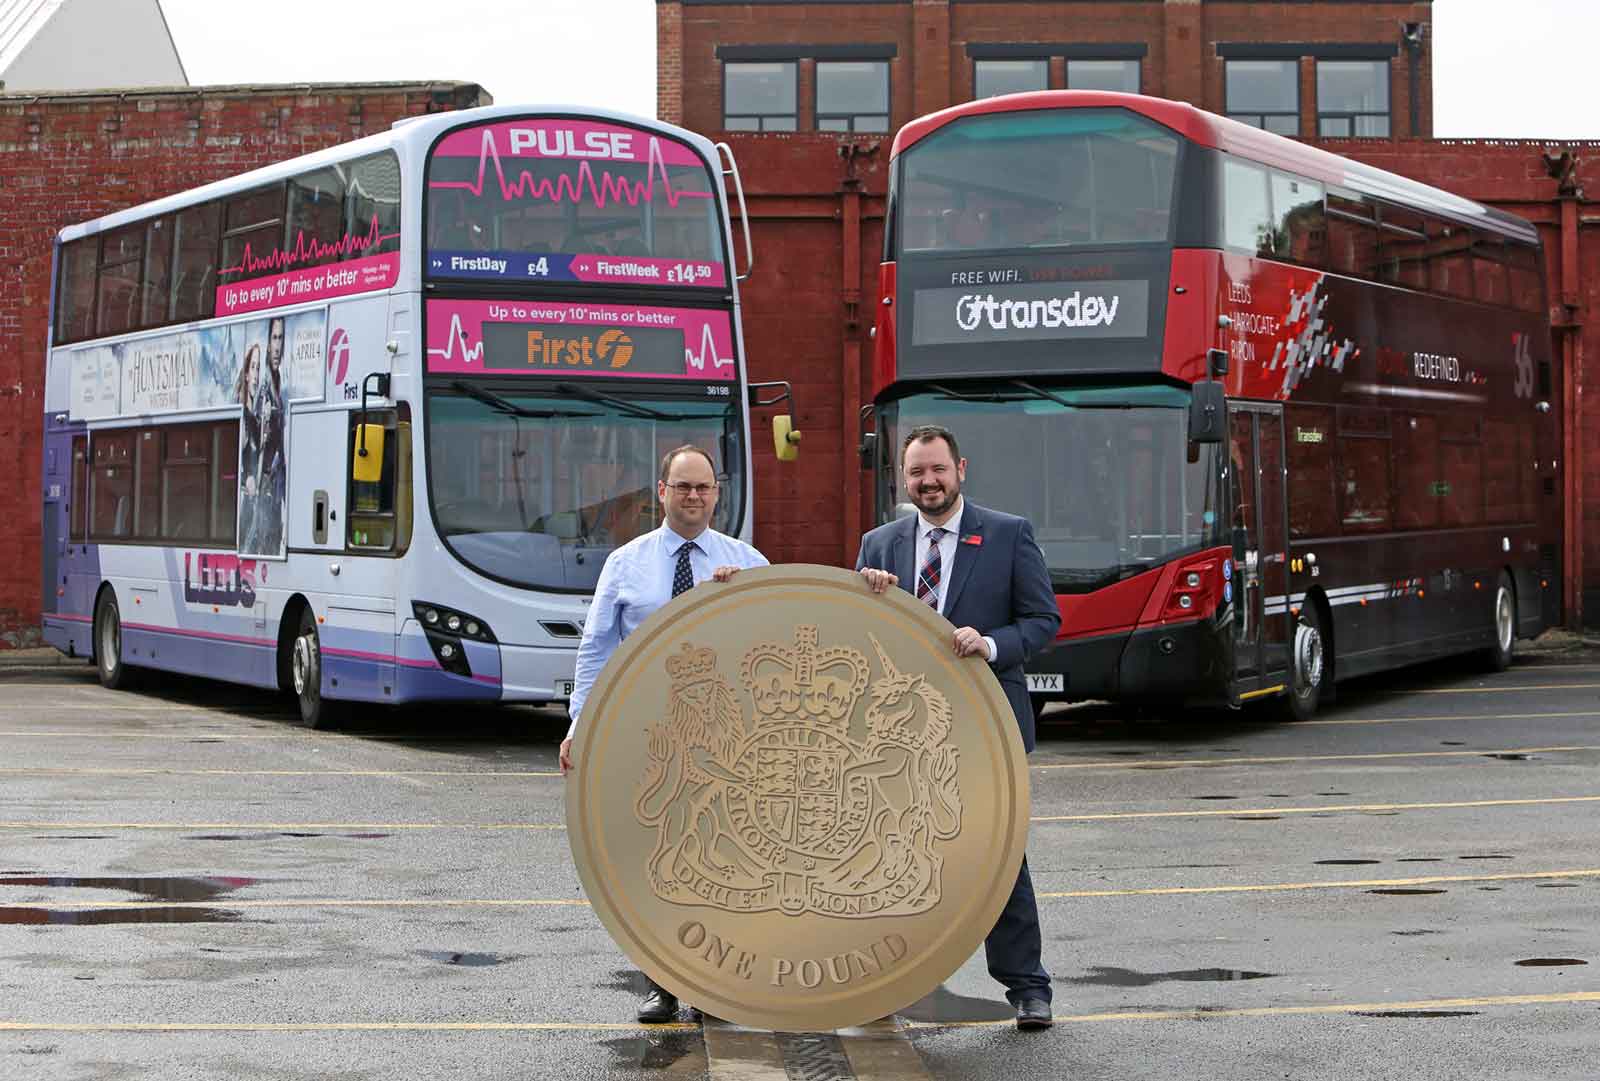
(640, 577)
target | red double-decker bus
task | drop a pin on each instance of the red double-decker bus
(1278, 418)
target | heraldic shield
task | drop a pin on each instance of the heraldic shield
(793, 805)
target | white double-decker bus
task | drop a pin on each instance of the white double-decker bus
(364, 425)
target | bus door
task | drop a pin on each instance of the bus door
(1261, 625)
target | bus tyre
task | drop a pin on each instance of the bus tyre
(305, 671)
(108, 643)
(1308, 666)
(1497, 658)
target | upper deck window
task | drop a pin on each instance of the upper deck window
(1353, 98)
(1265, 94)
(1038, 179)
(557, 199)
(991, 78)
(853, 95)
(760, 96)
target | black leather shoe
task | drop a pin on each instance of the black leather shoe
(658, 1007)
(1034, 1013)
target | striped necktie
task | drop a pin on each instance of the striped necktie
(932, 570)
(683, 574)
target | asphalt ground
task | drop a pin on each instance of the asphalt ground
(191, 885)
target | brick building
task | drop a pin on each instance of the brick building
(809, 92)
(74, 156)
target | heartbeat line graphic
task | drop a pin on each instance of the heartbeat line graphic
(608, 189)
(308, 251)
(469, 353)
(708, 349)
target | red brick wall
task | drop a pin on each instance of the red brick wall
(72, 157)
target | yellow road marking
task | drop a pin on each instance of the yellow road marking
(1559, 998)
(344, 1026)
(578, 902)
(1279, 887)
(1165, 762)
(1231, 811)
(558, 826)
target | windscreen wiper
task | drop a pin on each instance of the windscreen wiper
(509, 407)
(631, 408)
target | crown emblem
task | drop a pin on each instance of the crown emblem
(691, 665)
(803, 682)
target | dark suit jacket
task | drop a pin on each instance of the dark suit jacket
(999, 585)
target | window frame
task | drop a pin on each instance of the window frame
(851, 119)
(1258, 118)
(1042, 58)
(1138, 70)
(1354, 116)
(761, 118)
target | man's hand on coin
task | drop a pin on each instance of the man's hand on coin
(969, 643)
(878, 581)
(723, 574)
(566, 756)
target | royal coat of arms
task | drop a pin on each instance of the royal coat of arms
(809, 802)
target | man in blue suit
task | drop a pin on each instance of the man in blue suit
(983, 571)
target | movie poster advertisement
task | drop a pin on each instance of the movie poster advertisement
(262, 365)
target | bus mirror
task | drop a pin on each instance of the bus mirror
(785, 440)
(1217, 361)
(367, 468)
(1208, 407)
(868, 449)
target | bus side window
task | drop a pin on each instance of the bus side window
(379, 513)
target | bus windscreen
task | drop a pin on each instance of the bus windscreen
(561, 200)
(1037, 180)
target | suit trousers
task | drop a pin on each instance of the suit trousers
(1014, 948)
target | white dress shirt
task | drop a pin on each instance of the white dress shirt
(636, 580)
(947, 558)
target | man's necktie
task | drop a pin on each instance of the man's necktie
(932, 570)
(683, 575)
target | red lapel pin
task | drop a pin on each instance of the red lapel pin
(972, 539)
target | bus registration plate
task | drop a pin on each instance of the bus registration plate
(563, 688)
(1042, 683)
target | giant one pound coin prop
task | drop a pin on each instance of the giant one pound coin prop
(794, 807)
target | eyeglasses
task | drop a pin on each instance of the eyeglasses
(698, 489)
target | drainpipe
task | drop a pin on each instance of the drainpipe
(1411, 34)
(1564, 169)
(850, 354)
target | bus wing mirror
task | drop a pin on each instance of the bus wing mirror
(868, 449)
(367, 468)
(1208, 407)
(785, 440)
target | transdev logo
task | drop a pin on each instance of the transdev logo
(983, 310)
(339, 354)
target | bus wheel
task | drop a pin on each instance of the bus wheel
(1309, 664)
(305, 668)
(1497, 658)
(108, 643)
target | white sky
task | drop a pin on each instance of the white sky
(1501, 69)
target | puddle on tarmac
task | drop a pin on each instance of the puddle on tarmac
(1333, 793)
(153, 889)
(1279, 795)
(94, 917)
(1550, 962)
(1126, 754)
(1405, 892)
(1556, 886)
(1452, 743)
(73, 837)
(1421, 859)
(1490, 856)
(1509, 757)
(655, 1051)
(466, 960)
(275, 836)
(1416, 1014)
(1408, 934)
(1256, 818)
(1127, 977)
(1216, 797)
(944, 1006)
(1344, 863)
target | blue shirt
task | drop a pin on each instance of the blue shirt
(636, 580)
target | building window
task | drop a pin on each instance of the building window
(1119, 75)
(1265, 94)
(991, 78)
(1353, 98)
(853, 95)
(760, 97)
